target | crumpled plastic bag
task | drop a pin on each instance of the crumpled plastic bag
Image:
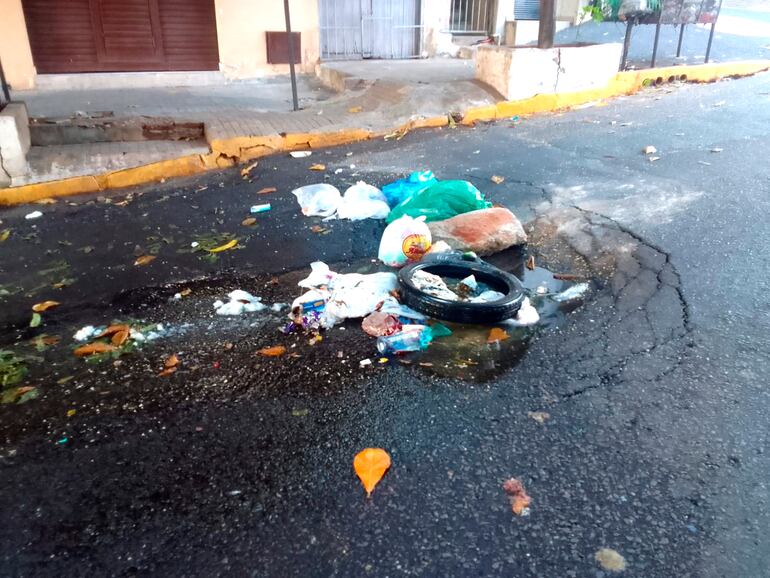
(346, 296)
(404, 240)
(239, 302)
(318, 200)
(402, 189)
(355, 295)
(441, 201)
(363, 201)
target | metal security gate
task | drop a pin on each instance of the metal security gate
(370, 29)
(472, 16)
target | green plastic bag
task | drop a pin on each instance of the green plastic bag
(444, 200)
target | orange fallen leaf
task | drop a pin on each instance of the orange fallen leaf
(531, 263)
(370, 465)
(248, 222)
(318, 167)
(167, 371)
(172, 361)
(113, 329)
(44, 306)
(518, 497)
(266, 190)
(497, 334)
(144, 260)
(119, 337)
(355, 109)
(93, 349)
(246, 171)
(274, 351)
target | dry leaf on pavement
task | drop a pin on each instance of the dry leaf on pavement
(246, 171)
(94, 349)
(610, 560)
(531, 263)
(144, 260)
(518, 497)
(496, 334)
(370, 465)
(539, 416)
(497, 179)
(113, 329)
(274, 351)
(356, 109)
(119, 337)
(44, 306)
(172, 361)
(167, 371)
(225, 247)
(248, 222)
(318, 167)
(266, 190)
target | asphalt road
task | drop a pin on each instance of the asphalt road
(240, 465)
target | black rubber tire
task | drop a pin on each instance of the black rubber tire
(462, 312)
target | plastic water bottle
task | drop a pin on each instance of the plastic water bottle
(410, 338)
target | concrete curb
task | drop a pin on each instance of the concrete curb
(229, 152)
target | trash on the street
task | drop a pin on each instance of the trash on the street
(539, 416)
(610, 560)
(410, 338)
(246, 171)
(249, 222)
(487, 297)
(406, 239)
(440, 330)
(363, 201)
(530, 264)
(378, 324)
(260, 208)
(393, 307)
(443, 200)
(227, 246)
(402, 189)
(370, 465)
(486, 232)
(433, 285)
(85, 333)
(33, 215)
(365, 363)
(518, 497)
(318, 200)
(300, 154)
(526, 316)
(440, 247)
(575, 292)
(239, 302)
(468, 286)
(497, 179)
(650, 150)
(320, 275)
(317, 167)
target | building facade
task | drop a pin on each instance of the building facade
(238, 38)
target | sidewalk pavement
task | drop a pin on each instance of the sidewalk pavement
(385, 95)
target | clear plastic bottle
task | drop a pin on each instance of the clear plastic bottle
(410, 338)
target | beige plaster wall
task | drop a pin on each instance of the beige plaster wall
(15, 53)
(241, 27)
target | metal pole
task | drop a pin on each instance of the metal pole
(547, 28)
(655, 45)
(291, 55)
(681, 36)
(6, 92)
(711, 34)
(626, 43)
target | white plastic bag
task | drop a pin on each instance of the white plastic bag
(319, 200)
(362, 201)
(320, 275)
(355, 295)
(405, 239)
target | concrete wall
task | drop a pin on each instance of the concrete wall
(15, 53)
(241, 27)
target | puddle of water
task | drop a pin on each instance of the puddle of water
(467, 355)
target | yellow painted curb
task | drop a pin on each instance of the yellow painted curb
(228, 152)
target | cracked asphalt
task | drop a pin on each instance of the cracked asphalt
(238, 465)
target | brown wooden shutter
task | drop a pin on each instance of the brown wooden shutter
(122, 35)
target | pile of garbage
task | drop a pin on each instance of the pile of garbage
(412, 206)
